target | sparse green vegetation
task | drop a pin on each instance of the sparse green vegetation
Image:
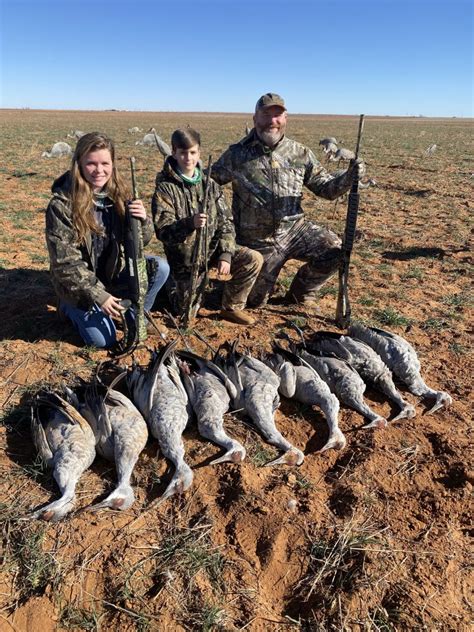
(414, 272)
(390, 316)
(36, 569)
(72, 618)
(436, 324)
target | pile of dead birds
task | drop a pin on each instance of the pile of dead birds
(325, 370)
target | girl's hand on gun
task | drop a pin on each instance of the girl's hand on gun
(200, 220)
(137, 209)
(112, 307)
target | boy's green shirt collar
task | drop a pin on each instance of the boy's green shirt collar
(195, 179)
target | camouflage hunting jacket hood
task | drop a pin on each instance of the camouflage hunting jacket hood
(267, 185)
(174, 204)
(72, 265)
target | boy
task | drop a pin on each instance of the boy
(178, 213)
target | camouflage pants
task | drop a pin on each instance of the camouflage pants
(244, 268)
(318, 247)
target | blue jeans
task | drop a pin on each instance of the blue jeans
(96, 328)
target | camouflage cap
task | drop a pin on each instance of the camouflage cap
(269, 99)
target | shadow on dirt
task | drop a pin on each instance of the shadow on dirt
(28, 307)
(414, 253)
(19, 445)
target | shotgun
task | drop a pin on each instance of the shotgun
(199, 258)
(343, 310)
(135, 263)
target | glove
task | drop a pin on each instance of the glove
(357, 169)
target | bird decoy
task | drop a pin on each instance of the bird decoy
(160, 396)
(257, 394)
(402, 360)
(66, 444)
(58, 150)
(76, 134)
(121, 434)
(341, 154)
(365, 361)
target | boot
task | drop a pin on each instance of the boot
(237, 316)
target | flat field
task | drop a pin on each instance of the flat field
(374, 537)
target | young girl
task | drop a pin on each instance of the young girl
(84, 234)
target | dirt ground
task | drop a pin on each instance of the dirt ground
(374, 537)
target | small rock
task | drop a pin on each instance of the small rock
(470, 476)
(292, 505)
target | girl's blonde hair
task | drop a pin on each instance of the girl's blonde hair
(82, 195)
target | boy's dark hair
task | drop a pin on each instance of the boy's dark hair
(185, 138)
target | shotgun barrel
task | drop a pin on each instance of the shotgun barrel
(343, 310)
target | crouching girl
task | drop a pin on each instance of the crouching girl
(84, 235)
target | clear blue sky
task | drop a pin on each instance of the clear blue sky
(388, 57)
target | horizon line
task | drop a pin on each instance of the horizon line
(122, 111)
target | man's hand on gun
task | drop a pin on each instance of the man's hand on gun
(223, 268)
(357, 169)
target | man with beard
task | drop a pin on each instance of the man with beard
(268, 172)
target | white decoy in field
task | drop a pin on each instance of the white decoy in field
(257, 394)
(341, 154)
(76, 134)
(299, 381)
(401, 359)
(65, 443)
(365, 361)
(160, 396)
(161, 145)
(325, 142)
(210, 392)
(121, 434)
(58, 150)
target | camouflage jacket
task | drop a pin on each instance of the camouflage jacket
(174, 204)
(72, 265)
(268, 186)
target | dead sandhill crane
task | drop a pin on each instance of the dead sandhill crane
(248, 129)
(431, 150)
(65, 443)
(134, 130)
(402, 360)
(58, 150)
(121, 434)
(257, 394)
(210, 391)
(160, 396)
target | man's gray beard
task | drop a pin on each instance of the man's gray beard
(270, 138)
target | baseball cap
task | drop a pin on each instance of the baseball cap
(269, 99)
